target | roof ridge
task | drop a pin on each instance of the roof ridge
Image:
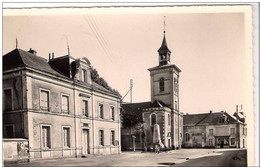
(32, 54)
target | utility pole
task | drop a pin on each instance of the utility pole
(131, 90)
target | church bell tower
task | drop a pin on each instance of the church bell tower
(165, 78)
(165, 89)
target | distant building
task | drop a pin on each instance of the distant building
(160, 119)
(218, 129)
(58, 107)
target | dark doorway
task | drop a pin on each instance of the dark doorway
(222, 144)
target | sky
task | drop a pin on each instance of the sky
(209, 48)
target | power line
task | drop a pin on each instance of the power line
(106, 43)
(97, 36)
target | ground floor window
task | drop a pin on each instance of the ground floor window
(187, 137)
(112, 138)
(46, 137)
(101, 137)
(66, 137)
(233, 141)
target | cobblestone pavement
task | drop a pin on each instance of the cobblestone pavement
(132, 158)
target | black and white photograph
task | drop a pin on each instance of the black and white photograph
(166, 85)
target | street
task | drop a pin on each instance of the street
(183, 157)
(227, 158)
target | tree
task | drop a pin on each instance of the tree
(130, 120)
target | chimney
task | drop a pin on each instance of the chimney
(49, 56)
(52, 55)
(210, 111)
(32, 51)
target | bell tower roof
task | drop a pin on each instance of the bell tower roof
(164, 48)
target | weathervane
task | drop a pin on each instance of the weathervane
(68, 48)
(16, 43)
(164, 25)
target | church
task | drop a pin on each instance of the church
(158, 121)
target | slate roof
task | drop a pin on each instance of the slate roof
(206, 119)
(164, 48)
(21, 58)
(137, 108)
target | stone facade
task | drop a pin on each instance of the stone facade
(58, 111)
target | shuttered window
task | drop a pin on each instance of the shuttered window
(66, 137)
(112, 137)
(65, 104)
(85, 108)
(112, 112)
(46, 140)
(101, 137)
(44, 100)
(101, 112)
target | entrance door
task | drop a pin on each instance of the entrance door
(222, 144)
(85, 142)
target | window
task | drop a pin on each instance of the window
(65, 104)
(233, 141)
(85, 108)
(153, 119)
(176, 105)
(112, 111)
(187, 137)
(211, 142)
(84, 75)
(46, 138)
(221, 120)
(9, 131)
(232, 131)
(161, 83)
(211, 132)
(8, 101)
(101, 112)
(112, 138)
(44, 100)
(175, 84)
(169, 119)
(66, 137)
(101, 137)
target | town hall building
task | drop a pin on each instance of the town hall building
(57, 107)
(161, 121)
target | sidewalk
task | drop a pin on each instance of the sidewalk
(130, 159)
